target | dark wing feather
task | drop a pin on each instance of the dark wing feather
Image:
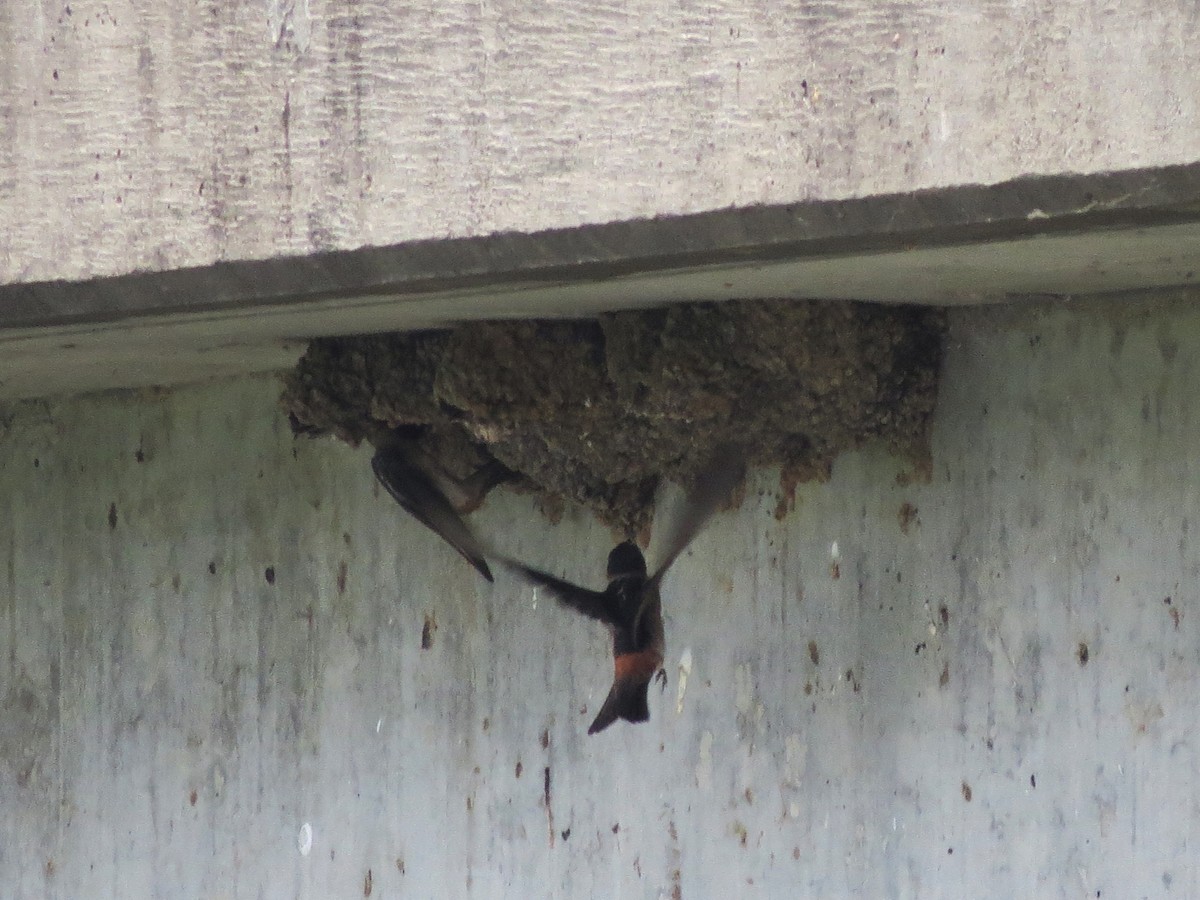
(716, 480)
(422, 499)
(593, 604)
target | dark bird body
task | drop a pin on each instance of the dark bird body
(631, 605)
(424, 490)
(631, 608)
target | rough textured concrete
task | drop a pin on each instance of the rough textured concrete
(142, 136)
(1120, 231)
(214, 681)
(1058, 228)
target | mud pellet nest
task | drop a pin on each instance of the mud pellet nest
(599, 411)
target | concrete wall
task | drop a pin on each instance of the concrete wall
(142, 135)
(214, 682)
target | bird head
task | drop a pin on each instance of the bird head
(626, 559)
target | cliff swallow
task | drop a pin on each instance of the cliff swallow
(631, 605)
(422, 487)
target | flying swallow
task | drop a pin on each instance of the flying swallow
(631, 605)
(424, 489)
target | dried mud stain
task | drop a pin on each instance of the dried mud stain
(600, 411)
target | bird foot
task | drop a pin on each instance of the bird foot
(661, 677)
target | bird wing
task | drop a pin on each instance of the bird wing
(719, 476)
(594, 604)
(425, 502)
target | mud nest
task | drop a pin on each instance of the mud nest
(600, 411)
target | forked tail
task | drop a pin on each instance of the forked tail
(626, 700)
(627, 697)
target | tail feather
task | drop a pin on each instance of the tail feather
(626, 700)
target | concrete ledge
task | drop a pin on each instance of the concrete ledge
(925, 220)
(1041, 235)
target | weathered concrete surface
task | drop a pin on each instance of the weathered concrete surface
(213, 681)
(136, 135)
(1123, 231)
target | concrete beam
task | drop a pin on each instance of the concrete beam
(141, 136)
(1047, 235)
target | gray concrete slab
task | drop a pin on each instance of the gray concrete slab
(213, 679)
(1048, 235)
(141, 136)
